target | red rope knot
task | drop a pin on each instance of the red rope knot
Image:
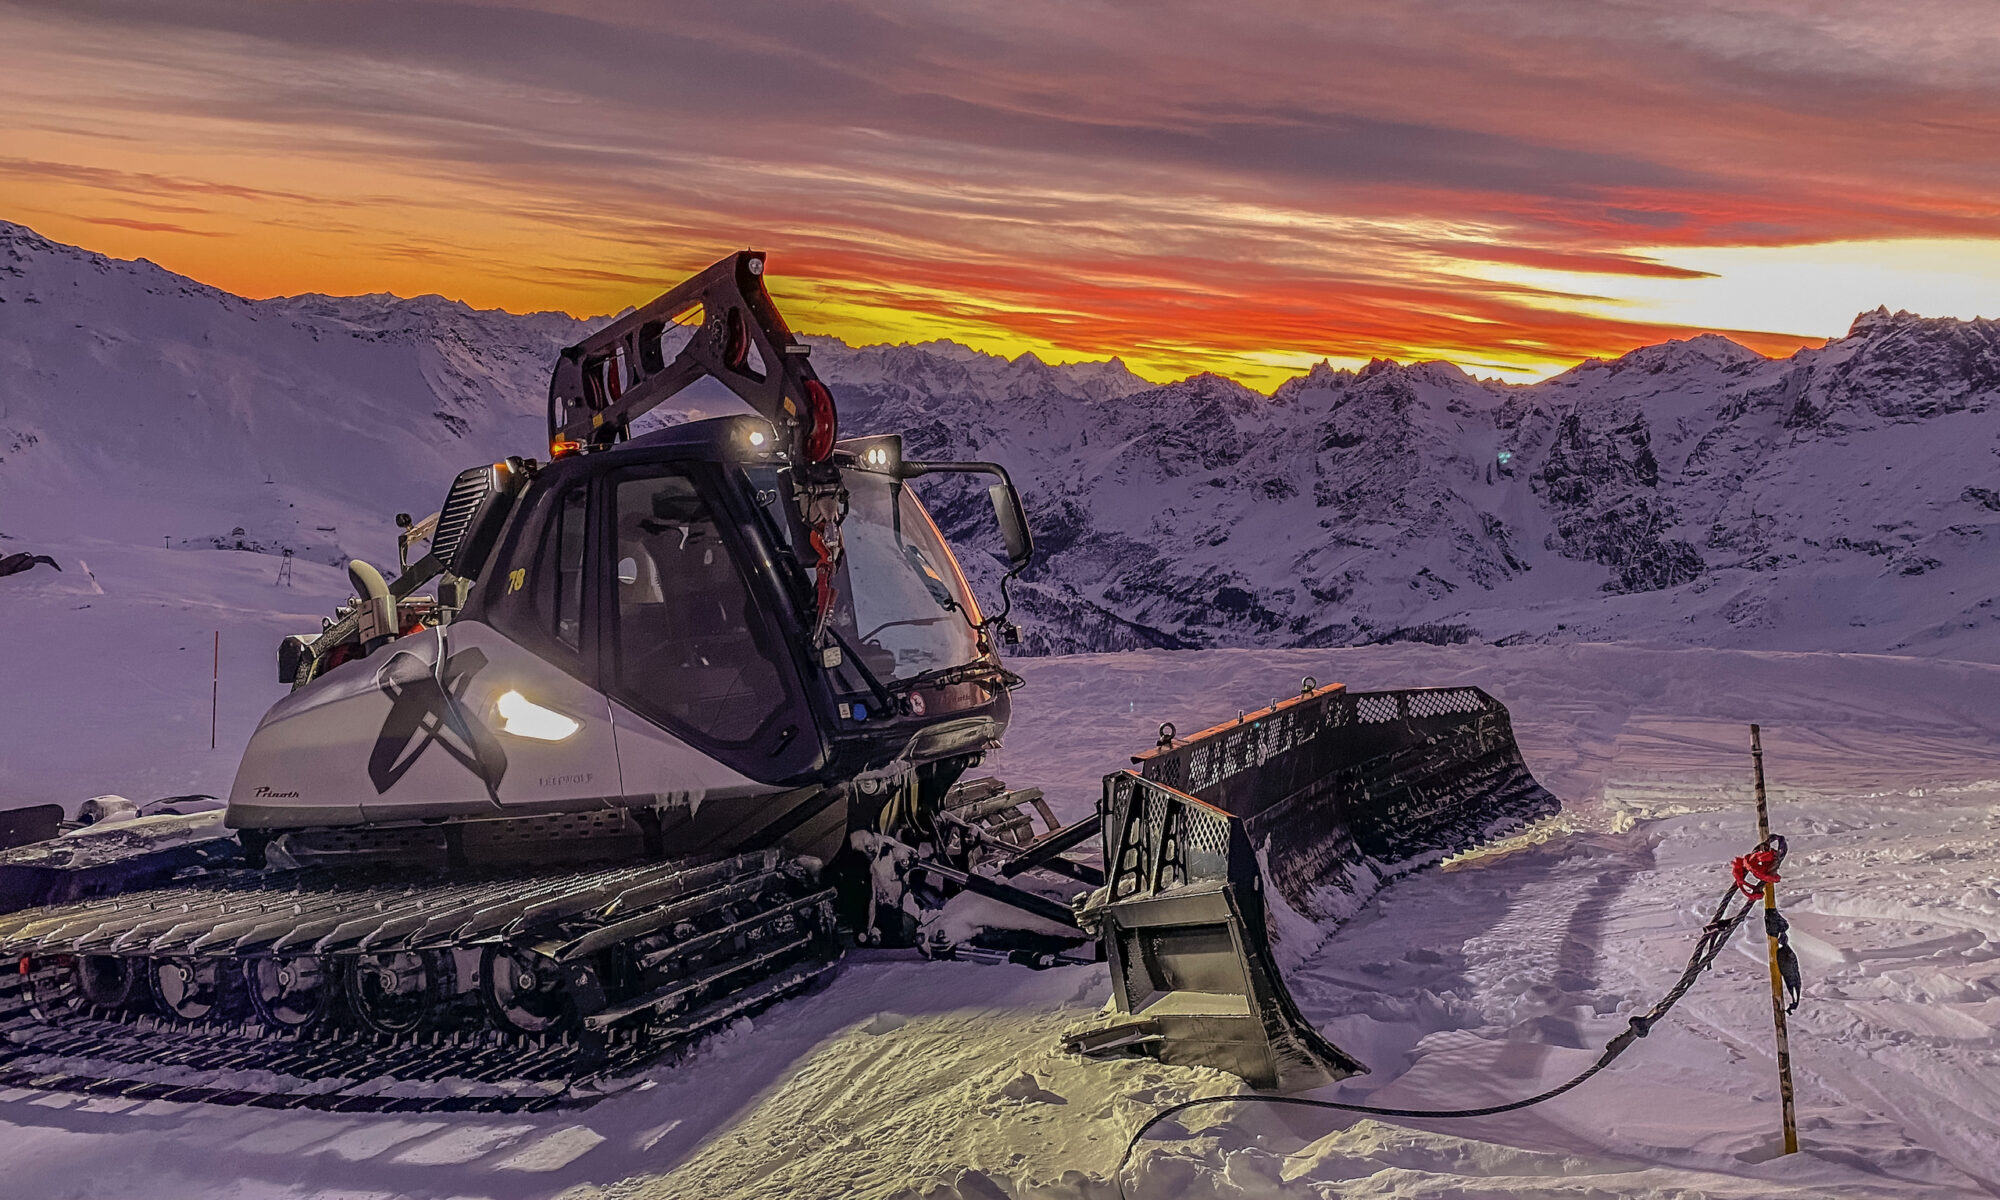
(1760, 864)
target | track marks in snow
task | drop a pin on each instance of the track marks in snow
(1489, 979)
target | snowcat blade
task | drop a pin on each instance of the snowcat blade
(1234, 853)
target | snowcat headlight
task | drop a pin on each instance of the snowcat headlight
(756, 437)
(522, 717)
(880, 455)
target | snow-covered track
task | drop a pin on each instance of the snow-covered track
(340, 1071)
(338, 990)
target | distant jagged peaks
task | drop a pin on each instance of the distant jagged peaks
(1879, 318)
(1713, 347)
(1109, 378)
(1210, 384)
(1674, 355)
(1693, 490)
(1842, 497)
(386, 313)
(1880, 325)
(1321, 374)
(952, 367)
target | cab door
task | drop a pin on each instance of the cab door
(696, 646)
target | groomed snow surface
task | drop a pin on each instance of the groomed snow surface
(1476, 983)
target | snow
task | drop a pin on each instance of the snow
(1484, 980)
(141, 416)
(107, 676)
(1691, 493)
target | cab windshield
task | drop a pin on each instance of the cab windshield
(901, 604)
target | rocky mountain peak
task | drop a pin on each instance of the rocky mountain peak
(1877, 319)
(1704, 352)
(21, 236)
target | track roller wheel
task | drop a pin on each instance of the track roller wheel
(290, 991)
(52, 986)
(524, 991)
(400, 992)
(111, 981)
(195, 989)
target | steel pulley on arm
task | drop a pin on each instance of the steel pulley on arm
(621, 372)
(616, 375)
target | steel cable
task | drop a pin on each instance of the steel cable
(1714, 936)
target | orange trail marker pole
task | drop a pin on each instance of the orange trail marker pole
(1777, 980)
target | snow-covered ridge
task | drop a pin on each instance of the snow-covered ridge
(1693, 491)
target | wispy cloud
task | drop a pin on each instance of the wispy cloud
(1502, 182)
(152, 226)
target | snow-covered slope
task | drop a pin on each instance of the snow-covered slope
(141, 408)
(1692, 492)
(1478, 983)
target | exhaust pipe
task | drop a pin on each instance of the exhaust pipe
(375, 617)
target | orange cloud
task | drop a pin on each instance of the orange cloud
(1509, 185)
(150, 226)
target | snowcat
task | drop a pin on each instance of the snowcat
(651, 733)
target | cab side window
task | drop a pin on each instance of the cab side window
(691, 648)
(540, 586)
(562, 613)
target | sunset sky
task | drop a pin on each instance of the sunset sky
(1245, 186)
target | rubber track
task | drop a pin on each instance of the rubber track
(376, 1065)
(124, 1055)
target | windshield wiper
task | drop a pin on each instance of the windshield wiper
(920, 565)
(849, 658)
(894, 624)
(977, 671)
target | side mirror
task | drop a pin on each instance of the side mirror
(1013, 524)
(1006, 503)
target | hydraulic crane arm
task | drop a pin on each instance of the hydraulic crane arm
(604, 382)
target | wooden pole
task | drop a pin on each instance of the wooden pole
(215, 692)
(1777, 980)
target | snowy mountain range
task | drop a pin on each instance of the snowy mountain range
(1842, 498)
(1845, 498)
